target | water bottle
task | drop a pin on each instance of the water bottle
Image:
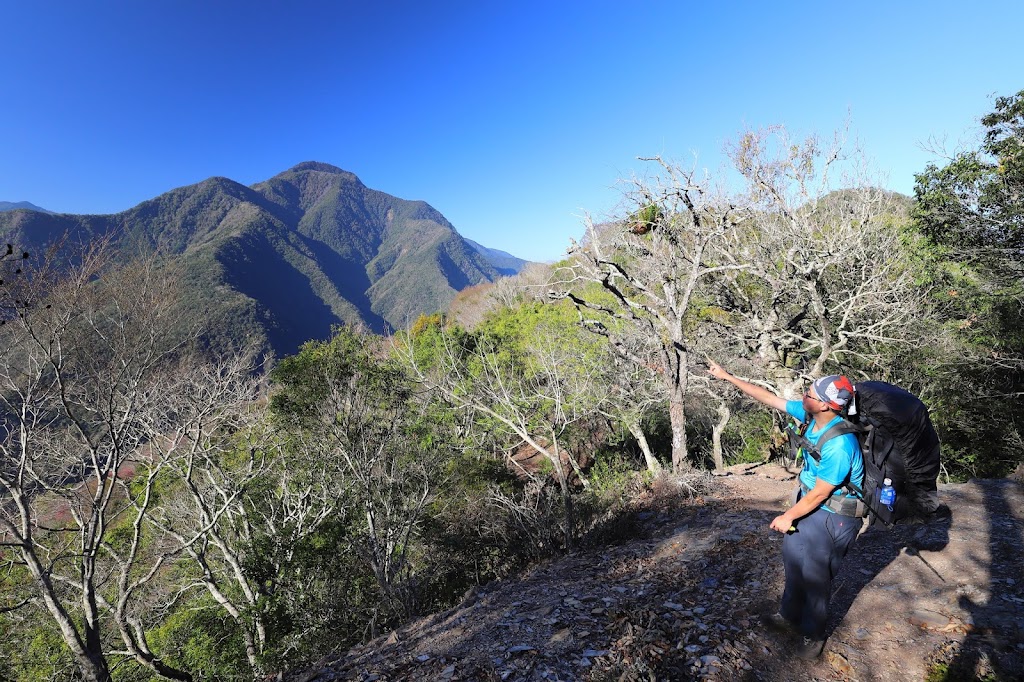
(887, 495)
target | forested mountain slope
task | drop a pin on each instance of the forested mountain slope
(288, 258)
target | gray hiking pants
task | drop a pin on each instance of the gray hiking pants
(812, 555)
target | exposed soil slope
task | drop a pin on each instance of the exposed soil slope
(682, 602)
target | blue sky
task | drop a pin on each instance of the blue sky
(511, 118)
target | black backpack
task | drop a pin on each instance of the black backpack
(898, 442)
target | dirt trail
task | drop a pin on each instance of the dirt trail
(682, 602)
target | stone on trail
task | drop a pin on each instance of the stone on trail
(928, 619)
(560, 636)
(519, 648)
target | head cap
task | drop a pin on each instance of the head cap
(835, 390)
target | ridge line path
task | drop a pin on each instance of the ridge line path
(681, 602)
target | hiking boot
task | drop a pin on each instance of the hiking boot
(777, 622)
(809, 648)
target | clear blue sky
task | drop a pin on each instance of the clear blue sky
(511, 118)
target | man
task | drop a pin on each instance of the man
(822, 525)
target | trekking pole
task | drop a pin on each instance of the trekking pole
(913, 551)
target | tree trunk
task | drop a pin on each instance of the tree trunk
(91, 626)
(716, 434)
(678, 380)
(94, 667)
(218, 595)
(90, 661)
(653, 465)
(576, 468)
(134, 636)
(567, 503)
(677, 417)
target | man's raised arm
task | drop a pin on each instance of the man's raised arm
(758, 393)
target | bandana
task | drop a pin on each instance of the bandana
(835, 390)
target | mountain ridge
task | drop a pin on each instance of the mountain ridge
(26, 205)
(293, 255)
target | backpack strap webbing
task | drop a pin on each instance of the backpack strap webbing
(840, 429)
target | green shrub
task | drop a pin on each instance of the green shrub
(613, 477)
(748, 437)
(201, 638)
(36, 653)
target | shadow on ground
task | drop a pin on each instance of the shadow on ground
(992, 647)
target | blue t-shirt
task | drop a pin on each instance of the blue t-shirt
(840, 458)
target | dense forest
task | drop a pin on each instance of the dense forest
(170, 514)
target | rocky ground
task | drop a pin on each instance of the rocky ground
(681, 602)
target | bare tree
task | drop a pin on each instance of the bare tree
(218, 453)
(826, 276)
(651, 266)
(634, 392)
(83, 366)
(529, 285)
(353, 411)
(369, 434)
(804, 267)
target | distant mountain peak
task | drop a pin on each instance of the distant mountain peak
(317, 166)
(325, 172)
(504, 262)
(218, 181)
(14, 205)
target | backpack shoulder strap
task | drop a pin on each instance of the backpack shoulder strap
(814, 451)
(840, 429)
